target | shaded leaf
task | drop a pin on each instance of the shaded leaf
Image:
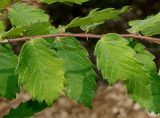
(8, 78)
(79, 73)
(2, 27)
(145, 92)
(27, 109)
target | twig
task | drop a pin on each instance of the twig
(146, 38)
(80, 35)
(6, 106)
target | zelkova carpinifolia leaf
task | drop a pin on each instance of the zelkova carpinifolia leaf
(96, 17)
(80, 76)
(22, 14)
(28, 20)
(116, 59)
(8, 77)
(148, 26)
(145, 92)
(41, 71)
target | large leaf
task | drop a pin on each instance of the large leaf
(149, 26)
(80, 77)
(116, 59)
(26, 110)
(21, 14)
(73, 1)
(96, 17)
(145, 92)
(8, 78)
(41, 71)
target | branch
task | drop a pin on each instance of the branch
(80, 35)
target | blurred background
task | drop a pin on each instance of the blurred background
(110, 101)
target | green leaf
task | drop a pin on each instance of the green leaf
(40, 28)
(27, 21)
(116, 59)
(4, 3)
(148, 26)
(147, 57)
(79, 73)
(2, 27)
(96, 17)
(14, 32)
(26, 110)
(22, 14)
(40, 71)
(145, 92)
(72, 1)
(8, 78)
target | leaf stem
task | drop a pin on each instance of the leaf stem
(80, 35)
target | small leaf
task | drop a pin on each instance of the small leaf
(96, 18)
(22, 14)
(116, 59)
(41, 71)
(72, 1)
(26, 110)
(80, 76)
(148, 26)
(8, 78)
